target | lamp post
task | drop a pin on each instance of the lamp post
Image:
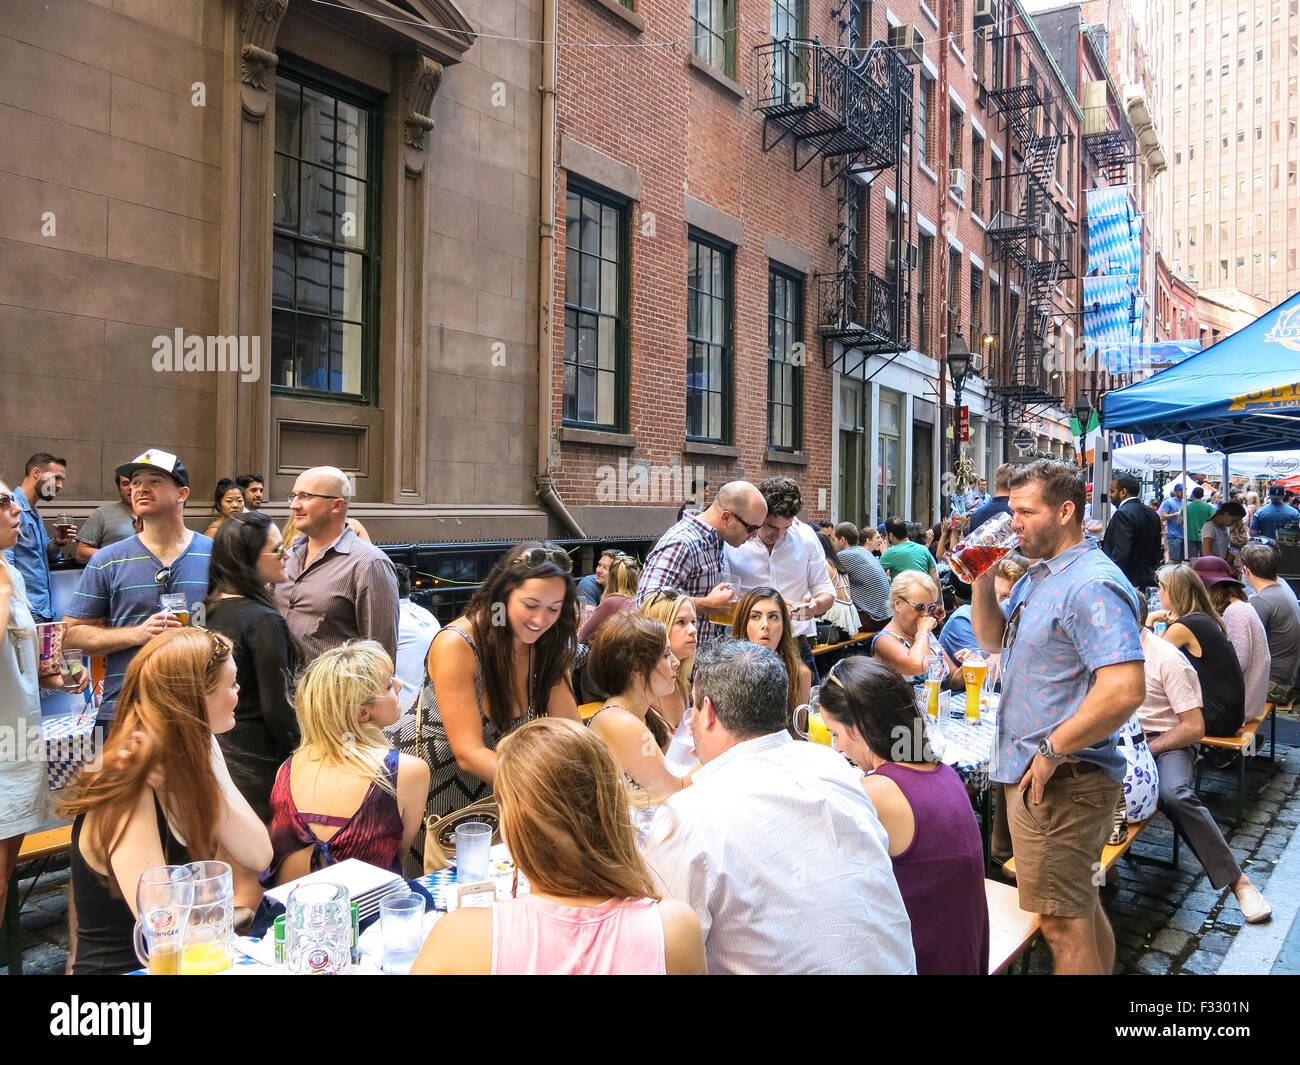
(1083, 414)
(958, 366)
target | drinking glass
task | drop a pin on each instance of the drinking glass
(974, 670)
(473, 847)
(813, 729)
(401, 923)
(979, 550)
(163, 897)
(211, 921)
(318, 929)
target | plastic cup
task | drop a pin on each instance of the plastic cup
(473, 849)
(174, 603)
(401, 924)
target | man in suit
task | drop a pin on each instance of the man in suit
(1133, 535)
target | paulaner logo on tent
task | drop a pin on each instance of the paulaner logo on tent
(1286, 330)
(196, 354)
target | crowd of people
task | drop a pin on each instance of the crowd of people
(309, 712)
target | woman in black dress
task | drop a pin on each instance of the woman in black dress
(1196, 628)
(247, 556)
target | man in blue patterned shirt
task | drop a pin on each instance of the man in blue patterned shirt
(689, 555)
(1072, 674)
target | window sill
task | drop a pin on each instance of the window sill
(716, 76)
(956, 199)
(787, 458)
(927, 171)
(600, 437)
(634, 21)
(717, 451)
(978, 220)
(930, 16)
(958, 53)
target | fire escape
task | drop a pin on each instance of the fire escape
(1032, 235)
(851, 109)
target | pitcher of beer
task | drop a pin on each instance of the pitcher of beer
(163, 899)
(979, 550)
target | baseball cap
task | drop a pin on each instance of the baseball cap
(1213, 570)
(1276, 491)
(154, 459)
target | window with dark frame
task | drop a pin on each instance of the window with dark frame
(325, 238)
(953, 294)
(595, 309)
(977, 174)
(713, 33)
(954, 138)
(785, 359)
(789, 64)
(919, 118)
(977, 313)
(925, 257)
(708, 340)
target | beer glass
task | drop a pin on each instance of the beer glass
(212, 919)
(974, 670)
(318, 929)
(979, 550)
(163, 899)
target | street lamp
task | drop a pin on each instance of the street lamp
(958, 366)
(1083, 414)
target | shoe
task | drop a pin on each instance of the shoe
(1219, 759)
(1254, 907)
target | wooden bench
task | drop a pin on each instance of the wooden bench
(1242, 744)
(1110, 854)
(38, 846)
(1011, 929)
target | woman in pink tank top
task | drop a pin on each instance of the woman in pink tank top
(593, 909)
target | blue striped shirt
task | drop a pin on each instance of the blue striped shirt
(118, 586)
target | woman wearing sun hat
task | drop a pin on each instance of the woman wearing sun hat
(1245, 630)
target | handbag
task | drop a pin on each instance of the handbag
(433, 851)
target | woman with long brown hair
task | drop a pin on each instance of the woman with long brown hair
(763, 618)
(676, 611)
(593, 907)
(1196, 629)
(633, 661)
(162, 794)
(505, 661)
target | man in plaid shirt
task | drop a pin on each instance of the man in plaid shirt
(689, 555)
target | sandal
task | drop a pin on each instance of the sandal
(1254, 907)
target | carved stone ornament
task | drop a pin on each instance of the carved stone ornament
(259, 22)
(421, 86)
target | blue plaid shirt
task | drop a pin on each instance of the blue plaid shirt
(1069, 616)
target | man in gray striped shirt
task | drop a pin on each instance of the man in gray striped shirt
(340, 587)
(868, 584)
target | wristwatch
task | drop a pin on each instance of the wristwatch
(1045, 749)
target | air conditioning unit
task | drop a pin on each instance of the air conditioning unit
(909, 254)
(957, 183)
(909, 42)
(984, 14)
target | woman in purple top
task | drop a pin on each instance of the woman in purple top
(933, 838)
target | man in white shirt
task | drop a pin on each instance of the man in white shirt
(787, 555)
(775, 845)
(416, 628)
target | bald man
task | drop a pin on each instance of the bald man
(689, 556)
(340, 587)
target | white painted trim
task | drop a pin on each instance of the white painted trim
(978, 127)
(926, 226)
(997, 152)
(956, 99)
(953, 242)
(927, 171)
(928, 67)
(978, 220)
(961, 56)
(995, 277)
(930, 16)
(891, 18)
(976, 261)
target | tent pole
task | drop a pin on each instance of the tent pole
(1186, 494)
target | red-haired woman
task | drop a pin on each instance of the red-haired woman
(162, 794)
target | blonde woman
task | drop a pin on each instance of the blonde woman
(345, 793)
(908, 641)
(620, 594)
(593, 909)
(1196, 629)
(676, 611)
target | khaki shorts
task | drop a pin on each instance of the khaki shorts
(1058, 843)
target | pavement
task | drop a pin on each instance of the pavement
(1166, 919)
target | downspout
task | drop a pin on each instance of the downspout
(545, 487)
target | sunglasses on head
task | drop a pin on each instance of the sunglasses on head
(537, 556)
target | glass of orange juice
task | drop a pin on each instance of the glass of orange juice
(974, 670)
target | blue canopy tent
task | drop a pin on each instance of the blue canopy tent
(1242, 394)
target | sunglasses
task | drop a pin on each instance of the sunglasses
(924, 608)
(538, 556)
(1013, 626)
(164, 578)
(751, 529)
